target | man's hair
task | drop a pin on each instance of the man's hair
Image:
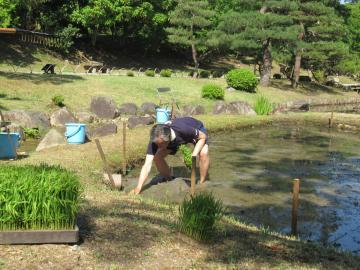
(160, 131)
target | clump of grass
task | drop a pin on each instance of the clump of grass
(33, 133)
(187, 155)
(263, 106)
(130, 73)
(38, 197)
(198, 215)
(58, 100)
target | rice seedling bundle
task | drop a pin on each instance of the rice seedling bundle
(38, 198)
(198, 215)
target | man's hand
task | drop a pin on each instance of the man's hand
(135, 191)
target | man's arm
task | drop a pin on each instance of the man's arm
(145, 170)
(199, 144)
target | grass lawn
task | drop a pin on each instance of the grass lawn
(34, 91)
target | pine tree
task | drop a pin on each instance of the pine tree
(190, 21)
(256, 30)
(320, 39)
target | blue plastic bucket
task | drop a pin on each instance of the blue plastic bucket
(162, 115)
(75, 133)
(8, 144)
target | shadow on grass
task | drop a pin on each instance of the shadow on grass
(41, 78)
(305, 87)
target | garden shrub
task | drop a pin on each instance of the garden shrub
(213, 91)
(319, 76)
(204, 73)
(198, 215)
(149, 73)
(191, 73)
(58, 100)
(38, 197)
(130, 73)
(242, 79)
(263, 106)
(166, 73)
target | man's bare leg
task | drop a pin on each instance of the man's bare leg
(204, 162)
(161, 164)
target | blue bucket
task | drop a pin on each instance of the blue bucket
(8, 144)
(162, 115)
(75, 133)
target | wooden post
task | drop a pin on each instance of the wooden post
(330, 119)
(193, 176)
(124, 149)
(295, 206)
(106, 167)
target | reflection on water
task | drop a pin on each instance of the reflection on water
(252, 172)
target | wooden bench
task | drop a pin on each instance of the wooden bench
(351, 87)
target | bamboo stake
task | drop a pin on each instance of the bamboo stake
(124, 149)
(193, 176)
(331, 119)
(106, 167)
(295, 206)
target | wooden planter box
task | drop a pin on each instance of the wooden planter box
(39, 237)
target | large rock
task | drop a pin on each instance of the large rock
(85, 117)
(299, 105)
(103, 107)
(240, 107)
(28, 119)
(62, 116)
(128, 108)
(134, 121)
(148, 108)
(190, 110)
(235, 107)
(53, 138)
(102, 130)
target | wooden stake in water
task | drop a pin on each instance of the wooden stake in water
(124, 149)
(331, 119)
(193, 176)
(295, 206)
(106, 167)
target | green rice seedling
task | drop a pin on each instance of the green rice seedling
(198, 215)
(187, 155)
(38, 197)
(263, 106)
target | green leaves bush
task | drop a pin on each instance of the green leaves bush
(242, 79)
(33, 133)
(166, 73)
(150, 73)
(38, 197)
(130, 73)
(263, 106)
(204, 73)
(198, 215)
(58, 100)
(213, 91)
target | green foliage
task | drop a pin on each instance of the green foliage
(320, 75)
(58, 100)
(263, 106)
(67, 35)
(33, 133)
(350, 65)
(6, 12)
(198, 215)
(130, 73)
(213, 91)
(150, 73)
(166, 73)
(187, 155)
(204, 73)
(353, 25)
(242, 79)
(38, 197)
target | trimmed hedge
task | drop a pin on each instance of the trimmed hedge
(242, 79)
(213, 91)
(166, 73)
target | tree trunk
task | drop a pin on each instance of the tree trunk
(93, 37)
(295, 78)
(196, 62)
(265, 72)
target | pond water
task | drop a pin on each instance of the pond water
(252, 172)
(353, 108)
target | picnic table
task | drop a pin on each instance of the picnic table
(351, 86)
